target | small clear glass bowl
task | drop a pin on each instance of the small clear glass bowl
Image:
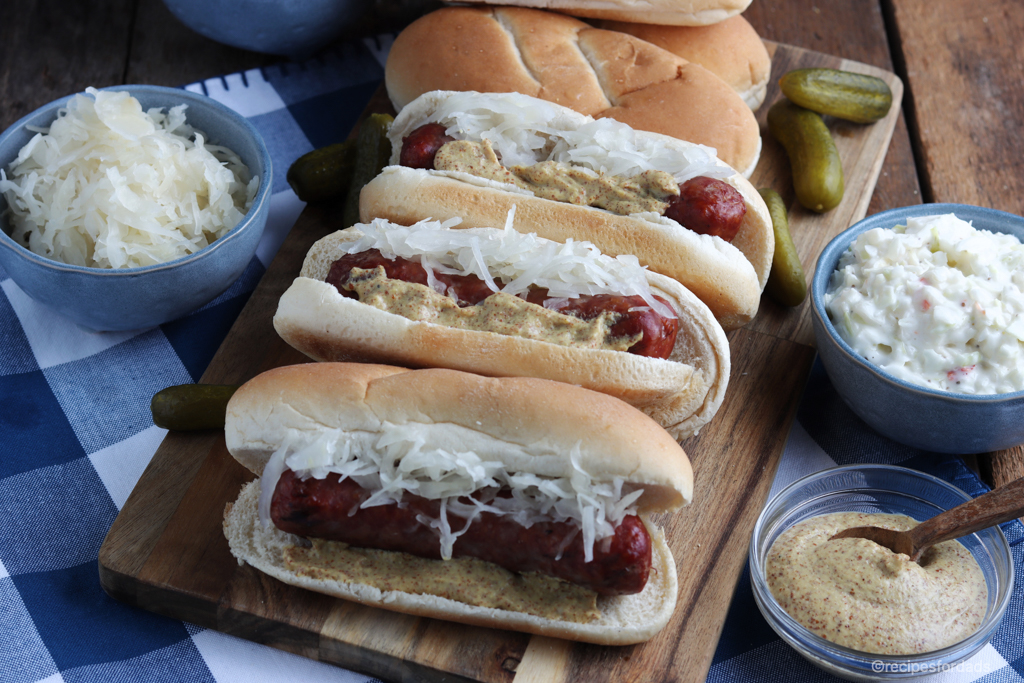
(887, 489)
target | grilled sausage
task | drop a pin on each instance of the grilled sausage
(329, 508)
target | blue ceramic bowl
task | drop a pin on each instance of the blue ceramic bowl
(923, 418)
(886, 489)
(293, 28)
(131, 298)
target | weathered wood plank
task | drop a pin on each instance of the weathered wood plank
(964, 63)
(166, 52)
(50, 50)
(852, 29)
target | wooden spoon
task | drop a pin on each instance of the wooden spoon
(995, 507)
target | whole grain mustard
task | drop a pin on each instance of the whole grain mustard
(856, 593)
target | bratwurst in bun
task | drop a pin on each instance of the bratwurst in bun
(504, 502)
(499, 302)
(672, 204)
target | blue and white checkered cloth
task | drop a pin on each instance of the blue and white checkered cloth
(76, 434)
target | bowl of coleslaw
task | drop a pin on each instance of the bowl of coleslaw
(918, 316)
(127, 207)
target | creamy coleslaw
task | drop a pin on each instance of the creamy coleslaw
(935, 302)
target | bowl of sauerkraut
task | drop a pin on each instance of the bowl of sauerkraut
(918, 316)
(127, 207)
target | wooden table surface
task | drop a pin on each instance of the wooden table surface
(959, 138)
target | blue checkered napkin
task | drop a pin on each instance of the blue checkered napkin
(76, 431)
(827, 434)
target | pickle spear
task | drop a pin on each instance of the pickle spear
(813, 157)
(786, 282)
(373, 151)
(190, 407)
(324, 173)
(843, 94)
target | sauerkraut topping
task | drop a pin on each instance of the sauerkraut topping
(936, 303)
(111, 186)
(401, 459)
(512, 262)
(525, 131)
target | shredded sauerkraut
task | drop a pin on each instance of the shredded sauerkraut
(526, 131)
(512, 262)
(111, 186)
(400, 459)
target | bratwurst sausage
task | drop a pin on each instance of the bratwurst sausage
(707, 206)
(420, 146)
(632, 314)
(329, 508)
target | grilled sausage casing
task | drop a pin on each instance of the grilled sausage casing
(329, 508)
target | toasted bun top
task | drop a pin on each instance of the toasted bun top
(530, 424)
(730, 49)
(671, 12)
(505, 49)
(566, 61)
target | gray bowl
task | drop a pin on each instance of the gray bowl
(293, 28)
(132, 298)
(923, 418)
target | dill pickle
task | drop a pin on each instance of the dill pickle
(373, 151)
(190, 407)
(842, 94)
(813, 157)
(324, 173)
(786, 282)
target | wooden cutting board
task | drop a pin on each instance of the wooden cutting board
(165, 551)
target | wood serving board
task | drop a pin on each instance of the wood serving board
(165, 551)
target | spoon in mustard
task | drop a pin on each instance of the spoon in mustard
(995, 507)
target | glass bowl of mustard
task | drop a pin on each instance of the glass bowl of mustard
(871, 489)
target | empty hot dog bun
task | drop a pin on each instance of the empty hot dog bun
(681, 392)
(727, 276)
(531, 434)
(730, 49)
(564, 60)
(669, 12)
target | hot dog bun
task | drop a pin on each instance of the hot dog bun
(530, 425)
(728, 277)
(504, 418)
(668, 12)
(730, 49)
(681, 393)
(563, 60)
(624, 619)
